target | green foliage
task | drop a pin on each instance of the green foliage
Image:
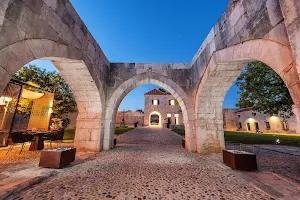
(179, 131)
(264, 90)
(162, 89)
(121, 130)
(140, 110)
(64, 101)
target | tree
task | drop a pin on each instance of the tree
(140, 110)
(264, 90)
(162, 90)
(64, 101)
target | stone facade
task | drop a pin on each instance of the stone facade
(243, 119)
(163, 108)
(230, 120)
(261, 30)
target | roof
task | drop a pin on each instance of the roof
(244, 109)
(157, 92)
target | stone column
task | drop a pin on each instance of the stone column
(291, 12)
(296, 111)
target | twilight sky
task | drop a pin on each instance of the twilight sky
(149, 31)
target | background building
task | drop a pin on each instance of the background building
(246, 119)
(161, 109)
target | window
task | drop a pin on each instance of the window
(239, 116)
(169, 115)
(254, 114)
(172, 102)
(256, 126)
(268, 125)
(240, 125)
(285, 125)
(155, 102)
(248, 127)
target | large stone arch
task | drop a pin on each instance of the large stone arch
(222, 70)
(148, 78)
(71, 63)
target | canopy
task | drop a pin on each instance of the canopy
(27, 94)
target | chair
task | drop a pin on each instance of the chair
(19, 138)
(49, 137)
(60, 136)
(57, 136)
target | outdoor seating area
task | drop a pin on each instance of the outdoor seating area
(40, 131)
(36, 139)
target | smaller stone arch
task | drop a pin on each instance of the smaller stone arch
(159, 122)
(119, 93)
(222, 70)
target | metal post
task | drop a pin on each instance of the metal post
(16, 108)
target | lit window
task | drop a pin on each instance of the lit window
(285, 125)
(268, 125)
(169, 115)
(172, 102)
(248, 127)
(176, 115)
(155, 102)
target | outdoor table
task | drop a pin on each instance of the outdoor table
(37, 143)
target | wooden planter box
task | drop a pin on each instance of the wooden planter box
(183, 143)
(240, 160)
(57, 158)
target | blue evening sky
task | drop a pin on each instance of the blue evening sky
(149, 31)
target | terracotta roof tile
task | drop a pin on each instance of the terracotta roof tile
(157, 92)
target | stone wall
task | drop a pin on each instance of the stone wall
(260, 30)
(230, 120)
(252, 117)
(130, 118)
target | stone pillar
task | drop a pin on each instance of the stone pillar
(88, 132)
(296, 111)
(291, 12)
(190, 141)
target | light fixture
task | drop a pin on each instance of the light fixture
(169, 115)
(5, 100)
(176, 115)
(251, 119)
(273, 118)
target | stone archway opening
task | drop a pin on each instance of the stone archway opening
(155, 119)
(224, 68)
(175, 90)
(87, 97)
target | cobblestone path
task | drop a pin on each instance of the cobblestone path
(146, 164)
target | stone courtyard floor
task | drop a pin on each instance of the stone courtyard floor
(146, 164)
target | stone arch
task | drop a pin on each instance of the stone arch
(148, 78)
(222, 70)
(155, 113)
(73, 66)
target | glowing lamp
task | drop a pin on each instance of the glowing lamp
(5, 100)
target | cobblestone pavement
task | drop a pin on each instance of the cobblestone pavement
(14, 161)
(271, 160)
(146, 164)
